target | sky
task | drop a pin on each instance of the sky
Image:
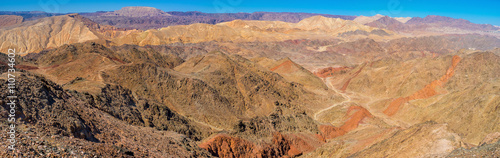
(478, 11)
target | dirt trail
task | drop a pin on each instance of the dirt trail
(428, 91)
(354, 116)
(358, 98)
(205, 124)
(346, 97)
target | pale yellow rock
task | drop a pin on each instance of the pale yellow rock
(52, 32)
(402, 19)
(367, 19)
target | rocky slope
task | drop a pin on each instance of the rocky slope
(430, 92)
(52, 32)
(8, 20)
(204, 94)
(423, 140)
(431, 25)
(57, 122)
(292, 72)
(388, 23)
(318, 87)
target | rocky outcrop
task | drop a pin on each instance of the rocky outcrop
(71, 118)
(226, 146)
(281, 145)
(489, 147)
(293, 143)
(330, 71)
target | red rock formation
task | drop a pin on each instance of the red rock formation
(352, 123)
(355, 119)
(344, 87)
(394, 106)
(428, 91)
(329, 71)
(282, 145)
(227, 146)
(296, 41)
(287, 65)
(329, 132)
(24, 67)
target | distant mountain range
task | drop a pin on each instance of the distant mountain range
(133, 18)
(125, 26)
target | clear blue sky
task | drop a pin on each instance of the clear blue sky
(477, 11)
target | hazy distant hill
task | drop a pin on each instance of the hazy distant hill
(131, 20)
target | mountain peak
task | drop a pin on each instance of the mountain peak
(402, 19)
(138, 11)
(318, 19)
(435, 19)
(367, 19)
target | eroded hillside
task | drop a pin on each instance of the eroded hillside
(307, 86)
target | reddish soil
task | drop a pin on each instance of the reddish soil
(434, 55)
(227, 146)
(428, 91)
(344, 87)
(329, 71)
(24, 67)
(281, 145)
(115, 59)
(352, 123)
(284, 145)
(50, 67)
(296, 42)
(287, 66)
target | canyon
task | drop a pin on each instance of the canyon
(263, 84)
